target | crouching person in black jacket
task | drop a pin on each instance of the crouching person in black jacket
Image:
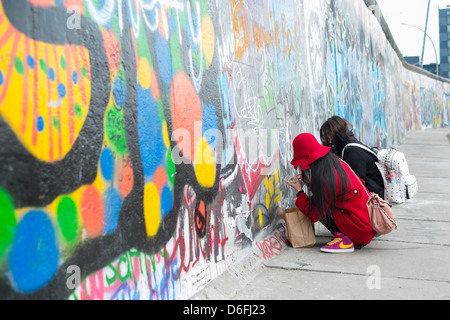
(335, 133)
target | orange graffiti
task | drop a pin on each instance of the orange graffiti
(113, 51)
(240, 27)
(289, 43)
(264, 38)
(92, 211)
(126, 179)
(186, 112)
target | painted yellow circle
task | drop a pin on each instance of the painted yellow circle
(204, 164)
(165, 134)
(152, 209)
(208, 37)
(267, 200)
(144, 73)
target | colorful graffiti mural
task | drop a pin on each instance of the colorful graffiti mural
(143, 143)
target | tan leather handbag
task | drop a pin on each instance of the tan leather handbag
(380, 214)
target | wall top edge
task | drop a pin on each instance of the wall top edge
(384, 26)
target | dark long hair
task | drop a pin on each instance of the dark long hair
(333, 126)
(323, 184)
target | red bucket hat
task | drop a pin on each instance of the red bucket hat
(307, 150)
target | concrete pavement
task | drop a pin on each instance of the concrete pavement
(409, 263)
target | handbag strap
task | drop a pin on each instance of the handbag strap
(392, 220)
(359, 179)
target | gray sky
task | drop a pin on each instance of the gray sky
(413, 12)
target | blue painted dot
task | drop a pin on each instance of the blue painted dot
(173, 23)
(151, 140)
(60, 3)
(107, 164)
(164, 57)
(195, 23)
(62, 90)
(210, 125)
(112, 202)
(40, 124)
(166, 201)
(30, 62)
(119, 92)
(1, 78)
(75, 77)
(34, 255)
(51, 74)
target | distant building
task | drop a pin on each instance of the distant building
(444, 41)
(415, 61)
(431, 68)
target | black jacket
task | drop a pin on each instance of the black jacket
(361, 161)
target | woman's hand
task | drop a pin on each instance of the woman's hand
(298, 184)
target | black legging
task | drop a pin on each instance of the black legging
(329, 223)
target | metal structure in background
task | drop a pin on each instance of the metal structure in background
(425, 35)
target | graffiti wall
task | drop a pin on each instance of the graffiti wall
(143, 143)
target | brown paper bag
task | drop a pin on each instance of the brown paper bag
(300, 231)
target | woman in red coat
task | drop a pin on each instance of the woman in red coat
(338, 196)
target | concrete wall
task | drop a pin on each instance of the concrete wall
(143, 143)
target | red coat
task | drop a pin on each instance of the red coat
(353, 220)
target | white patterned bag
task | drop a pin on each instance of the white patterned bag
(399, 184)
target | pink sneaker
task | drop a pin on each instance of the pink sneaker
(340, 244)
